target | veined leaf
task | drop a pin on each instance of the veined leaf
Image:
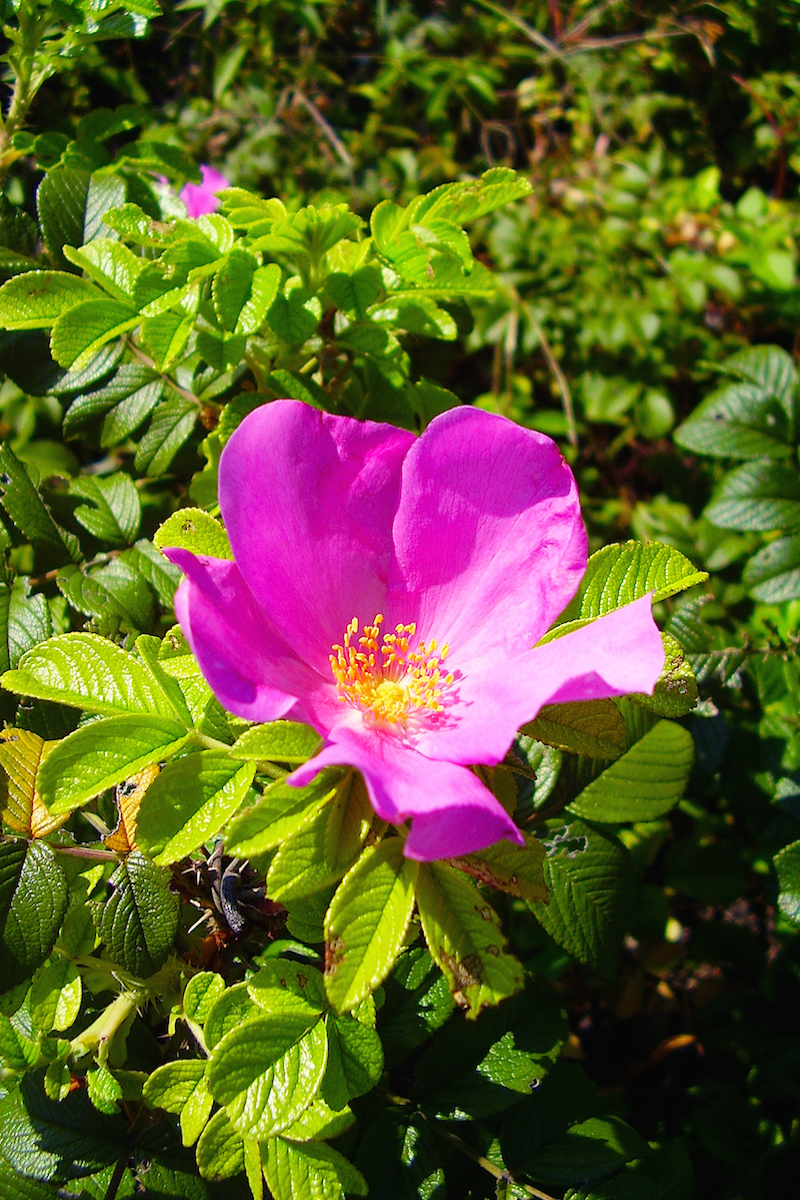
(114, 512)
(279, 741)
(88, 672)
(193, 529)
(757, 496)
(110, 263)
(302, 1170)
(594, 728)
(35, 914)
(189, 802)
(104, 753)
(618, 574)
(773, 574)
(180, 1088)
(278, 815)
(202, 991)
(325, 845)
(464, 936)
(355, 1060)
(645, 783)
(21, 752)
(24, 621)
(366, 923)
(55, 998)
(588, 876)
(787, 867)
(129, 795)
(29, 513)
(172, 424)
(220, 1151)
(86, 327)
(36, 299)
(510, 868)
(138, 921)
(676, 688)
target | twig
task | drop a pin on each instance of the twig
(560, 378)
(327, 129)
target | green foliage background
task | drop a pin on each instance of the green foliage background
(176, 1021)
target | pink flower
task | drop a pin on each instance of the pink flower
(389, 590)
(201, 198)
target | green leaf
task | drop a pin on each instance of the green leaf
(310, 232)
(594, 728)
(278, 815)
(85, 328)
(160, 574)
(228, 1012)
(102, 754)
(739, 421)
(36, 299)
(319, 1120)
(294, 317)
(325, 845)
(467, 201)
(173, 423)
(220, 1151)
(57, 1140)
(12, 860)
(355, 1060)
(72, 205)
(787, 866)
(193, 529)
(114, 513)
(464, 936)
(24, 621)
(353, 293)
(283, 984)
(127, 399)
(34, 916)
(104, 1089)
(676, 687)
(773, 574)
(268, 1071)
(189, 802)
(202, 991)
(645, 783)
(115, 593)
(618, 574)
(16, 1187)
(366, 923)
(517, 870)
(757, 496)
(109, 263)
(309, 1171)
(279, 741)
(180, 1088)
(232, 286)
(399, 1155)
(30, 514)
(588, 876)
(586, 1151)
(55, 997)
(139, 920)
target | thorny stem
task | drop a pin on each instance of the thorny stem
(489, 1167)
(100, 1032)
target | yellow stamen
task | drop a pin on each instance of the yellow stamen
(387, 679)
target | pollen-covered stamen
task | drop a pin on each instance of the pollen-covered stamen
(386, 676)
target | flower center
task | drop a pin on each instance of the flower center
(385, 677)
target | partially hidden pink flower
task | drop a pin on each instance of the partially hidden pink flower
(201, 198)
(389, 591)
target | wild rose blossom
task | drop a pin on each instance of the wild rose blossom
(389, 591)
(200, 198)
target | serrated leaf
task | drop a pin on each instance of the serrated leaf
(228, 1012)
(114, 512)
(72, 205)
(283, 984)
(189, 802)
(354, 293)
(21, 753)
(586, 1151)
(787, 867)
(24, 621)
(220, 1151)
(172, 424)
(279, 741)
(309, 1171)
(104, 1090)
(278, 815)
(202, 992)
(34, 916)
(104, 753)
(400, 1155)
(773, 574)
(268, 1071)
(310, 232)
(180, 1088)
(129, 795)
(294, 317)
(160, 574)
(88, 672)
(676, 687)
(588, 876)
(465, 939)
(232, 286)
(757, 496)
(739, 421)
(517, 870)
(114, 592)
(36, 299)
(12, 860)
(325, 845)
(367, 922)
(193, 529)
(645, 783)
(110, 263)
(319, 1120)
(618, 574)
(355, 1060)
(29, 513)
(85, 328)
(129, 397)
(594, 728)
(139, 919)
(55, 997)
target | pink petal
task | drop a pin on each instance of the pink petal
(489, 539)
(619, 653)
(452, 812)
(251, 672)
(200, 198)
(308, 501)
